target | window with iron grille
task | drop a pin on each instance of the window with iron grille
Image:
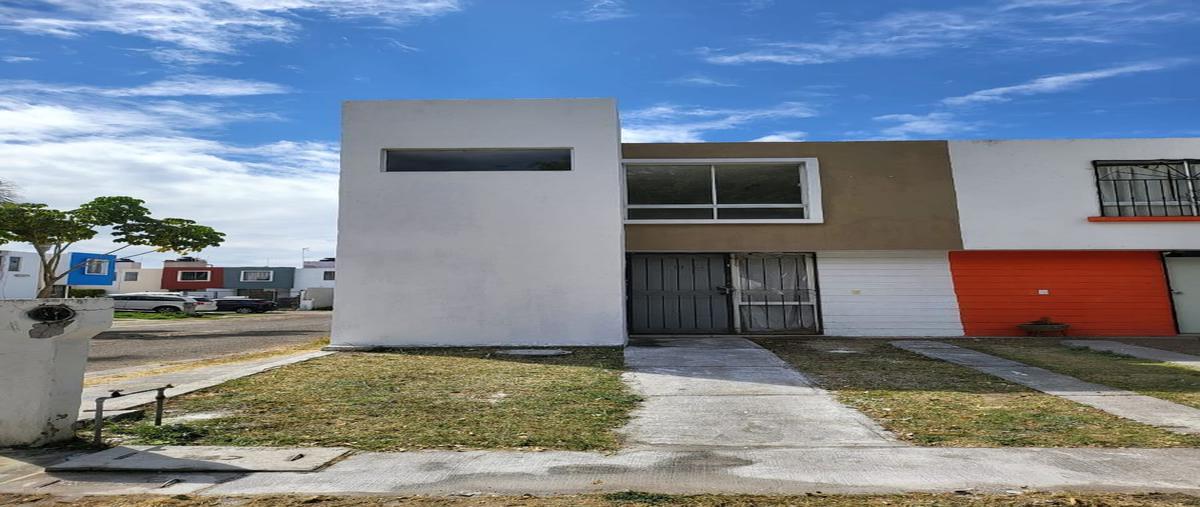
(1148, 188)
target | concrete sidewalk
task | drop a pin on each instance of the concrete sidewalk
(1125, 349)
(729, 392)
(185, 381)
(1121, 403)
(725, 470)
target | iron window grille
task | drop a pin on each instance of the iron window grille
(1148, 188)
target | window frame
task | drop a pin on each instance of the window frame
(95, 261)
(328, 276)
(270, 275)
(810, 183)
(1191, 168)
(136, 276)
(207, 275)
(12, 261)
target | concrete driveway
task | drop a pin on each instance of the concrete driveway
(134, 343)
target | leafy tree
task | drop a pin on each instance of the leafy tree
(52, 232)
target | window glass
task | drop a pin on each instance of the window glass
(328, 275)
(256, 276)
(14, 263)
(193, 276)
(759, 184)
(131, 276)
(667, 184)
(520, 159)
(759, 213)
(95, 267)
(670, 213)
(1148, 188)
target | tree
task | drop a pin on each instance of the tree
(52, 232)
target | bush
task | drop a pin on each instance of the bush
(88, 293)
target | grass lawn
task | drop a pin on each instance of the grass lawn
(413, 399)
(1181, 344)
(623, 499)
(1152, 378)
(934, 403)
(212, 361)
(156, 315)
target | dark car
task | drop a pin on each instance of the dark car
(244, 305)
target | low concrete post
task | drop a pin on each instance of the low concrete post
(44, 346)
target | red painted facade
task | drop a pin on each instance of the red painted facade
(1100, 293)
(170, 279)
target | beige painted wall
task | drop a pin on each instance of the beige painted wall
(894, 195)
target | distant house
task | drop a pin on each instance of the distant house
(260, 282)
(189, 274)
(20, 274)
(132, 277)
(86, 271)
(315, 282)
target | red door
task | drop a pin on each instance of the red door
(1098, 293)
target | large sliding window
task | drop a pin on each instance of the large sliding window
(722, 191)
(1148, 188)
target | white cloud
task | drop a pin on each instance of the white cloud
(1018, 25)
(18, 59)
(176, 86)
(194, 31)
(704, 81)
(1056, 83)
(928, 125)
(599, 10)
(680, 124)
(789, 136)
(270, 199)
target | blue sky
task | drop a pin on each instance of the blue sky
(226, 111)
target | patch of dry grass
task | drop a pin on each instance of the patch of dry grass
(412, 399)
(630, 499)
(935, 403)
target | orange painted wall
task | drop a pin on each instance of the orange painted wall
(1098, 293)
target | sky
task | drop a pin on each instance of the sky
(227, 111)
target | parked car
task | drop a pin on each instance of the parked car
(161, 303)
(203, 303)
(245, 305)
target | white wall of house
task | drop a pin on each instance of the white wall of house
(480, 258)
(887, 293)
(23, 282)
(1039, 195)
(148, 280)
(307, 278)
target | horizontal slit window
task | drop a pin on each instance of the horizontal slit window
(499, 159)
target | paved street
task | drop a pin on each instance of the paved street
(133, 343)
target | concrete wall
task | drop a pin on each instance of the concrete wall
(41, 368)
(480, 258)
(313, 277)
(77, 275)
(149, 280)
(875, 196)
(21, 284)
(1039, 195)
(880, 293)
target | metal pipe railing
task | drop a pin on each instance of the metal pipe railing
(98, 423)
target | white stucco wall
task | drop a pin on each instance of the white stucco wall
(22, 284)
(149, 280)
(1039, 194)
(480, 258)
(307, 278)
(887, 293)
(41, 368)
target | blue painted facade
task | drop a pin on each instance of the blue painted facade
(79, 275)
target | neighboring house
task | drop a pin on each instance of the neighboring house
(260, 281)
(89, 271)
(315, 283)
(191, 275)
(132, 277)
(20, 274)
(527, 222)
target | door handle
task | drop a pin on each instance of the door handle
(1177, 292)
(724, 290)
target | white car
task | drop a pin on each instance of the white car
(160, 302)
(203, 303)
